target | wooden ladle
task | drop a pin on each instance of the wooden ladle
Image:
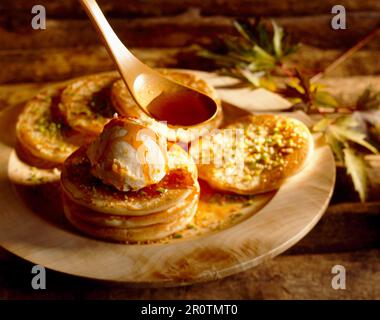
(159, 97)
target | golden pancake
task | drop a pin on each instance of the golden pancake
(43, 139)
(126, 106)
(83, 188)
(254, 154)
(116, 221)
(86, 105)
(148, 233)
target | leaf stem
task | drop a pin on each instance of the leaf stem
(287, 71)
(360, 44)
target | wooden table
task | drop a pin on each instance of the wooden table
(289, 276)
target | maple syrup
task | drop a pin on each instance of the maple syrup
(184, 108)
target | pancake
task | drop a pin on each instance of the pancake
(44, 140)
(116, 221)
(86, 105)
(83, 188)
(126, 106)
(141, 234)
(254, 154)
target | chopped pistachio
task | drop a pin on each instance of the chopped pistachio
(161, 190)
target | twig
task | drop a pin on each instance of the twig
(347, 54)
(288, 72)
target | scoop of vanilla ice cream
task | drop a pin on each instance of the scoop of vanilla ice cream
(128, 155)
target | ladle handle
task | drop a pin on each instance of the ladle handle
(129, 66)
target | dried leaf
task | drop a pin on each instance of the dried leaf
(346, 121)
(242, 27)
(223, 60)
(255, 49)
(346, 134)
(356, 167)
(324, 99)
(336, 146)
(363, 98)
(368, 100)
(253, 77)
(263, 56)
(278, 34)
(310, 94)
(322, 125)
(374, 132)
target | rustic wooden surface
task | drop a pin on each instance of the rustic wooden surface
(348, 234)
(181, 30)
(70, 47)
(55, 64)
(58, 8)
(285, 277)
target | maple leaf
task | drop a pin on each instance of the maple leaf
(356, 168)
(306, 95)
(255, 53)
(344, 137)
(368, 100)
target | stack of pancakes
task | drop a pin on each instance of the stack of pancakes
(54, 131)
(148, 214)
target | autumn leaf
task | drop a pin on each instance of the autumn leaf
(336, 146)
(255, 51)
(368, 100)
(345, 134)
(310, 95)
(278, 34)
(322, 125)
(253, 77)
(324, 99)
(356, 168)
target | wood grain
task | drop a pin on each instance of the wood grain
(182, 30)
(276, 227)
(59, 64)
(55, 64)
(347, 89)
(285, 277)
(57, 8)
(344, 227)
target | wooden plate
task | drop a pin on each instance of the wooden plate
(45, 238)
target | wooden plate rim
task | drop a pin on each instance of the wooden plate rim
(184, 262)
